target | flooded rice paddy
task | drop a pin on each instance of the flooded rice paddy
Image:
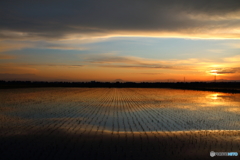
(117, 123)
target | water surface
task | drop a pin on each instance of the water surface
(81, 110)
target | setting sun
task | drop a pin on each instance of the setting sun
(214, 72)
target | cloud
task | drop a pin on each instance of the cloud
(115, 61)
(225, 70)
(61, 47)
(233, 45)
(8, 76)
(108, 59)
(28, 77)
(233, 59)
(5, 56)
(215, 50)
(57, 19)
(49, 65)
(143, 66)
(64, 65)
(150, 73)
(9, 46)
(17, 68)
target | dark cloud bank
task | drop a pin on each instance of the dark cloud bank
(57, 18)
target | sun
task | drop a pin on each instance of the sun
(214, 72)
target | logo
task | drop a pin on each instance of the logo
(212, 154)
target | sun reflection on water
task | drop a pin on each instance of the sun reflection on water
(214, 96)
(122, 110)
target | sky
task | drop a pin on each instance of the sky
(120, 40)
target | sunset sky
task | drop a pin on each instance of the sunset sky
(114, 40)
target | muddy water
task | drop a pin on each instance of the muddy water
(120, 110)
(100, 123)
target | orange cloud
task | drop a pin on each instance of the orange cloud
(17, 69)
(9, 46)
(233, 59)
(111, 60)
(107, 67)
(5, 56)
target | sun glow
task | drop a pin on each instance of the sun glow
(213, 96)
(214, 72)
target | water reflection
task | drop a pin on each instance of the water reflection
(213, 96)
(121, 110)
(220, 96)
